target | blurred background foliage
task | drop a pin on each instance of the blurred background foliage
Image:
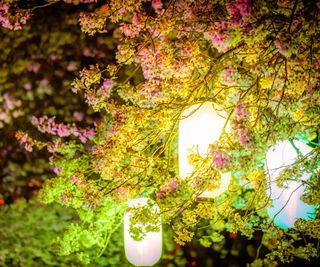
(37, 67)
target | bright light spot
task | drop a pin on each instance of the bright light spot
(200, 126)
(147, 251)
(287, 206)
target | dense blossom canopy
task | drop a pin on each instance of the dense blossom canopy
(257, 60)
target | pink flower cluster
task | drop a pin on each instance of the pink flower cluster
(9, 109)
(48, 125)
(10, 102)
(149, 91)
(220, 159)
(157, 5)
(227, 76)
(129, 30)
(75, 180)
(94, 98)
(57, 170)
(243, 135)
(219, 35)
(192, 11)
(239, 11)
(239, 125)
(151, 61)
(54, 146)
(241, 112)
(33, 67)
(105, 89)
(12, 21)
(25, 140)
(167, 189)
(133, 30)
(282, 46)
(78, 115)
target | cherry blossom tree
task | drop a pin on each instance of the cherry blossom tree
(257, 60)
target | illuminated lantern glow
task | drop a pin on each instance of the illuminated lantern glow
(287, 206)
(200, 126)
(147, 251)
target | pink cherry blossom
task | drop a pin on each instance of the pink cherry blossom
(48, 125)
(57, 170)
(157, 4)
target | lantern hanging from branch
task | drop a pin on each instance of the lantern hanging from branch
(287, 205)
(200, 126)
(148, 251)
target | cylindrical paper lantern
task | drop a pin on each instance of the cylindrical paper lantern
(287, 206)
(147, 251)
(200, 126)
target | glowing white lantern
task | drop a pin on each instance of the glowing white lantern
(200, 126)
(287, 206)
(147, 251)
